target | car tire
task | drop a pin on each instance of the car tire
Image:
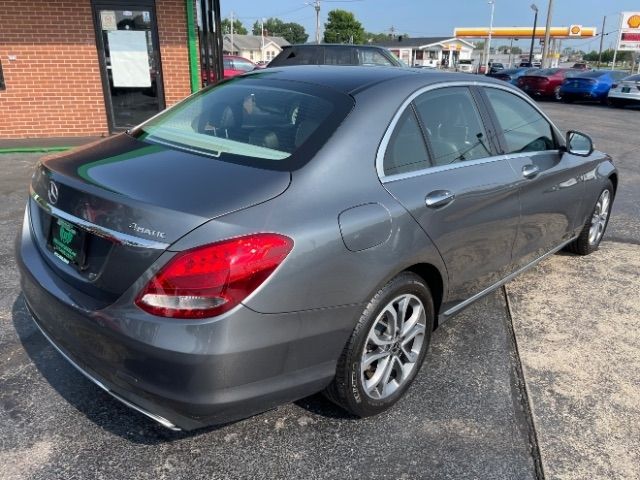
(567, 100)
(617, 103)
(354, 387)
(589, 239)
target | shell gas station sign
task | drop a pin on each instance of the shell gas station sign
(630, 32)
(572, 31)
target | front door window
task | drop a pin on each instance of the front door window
(130, 61)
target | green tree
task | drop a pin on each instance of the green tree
(225, 26)
(370, 37)
(292, 32)
(342, 27)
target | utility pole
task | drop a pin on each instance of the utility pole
(604, 23)
(262, 39)
(486, 60)
(547, 34)
(392, 33)
(232, 44)
(533, 35)
(316, 6)
(510, 52)
(617, 44)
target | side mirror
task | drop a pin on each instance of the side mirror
(579, 144)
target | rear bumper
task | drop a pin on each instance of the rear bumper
(628, 97)
(583, 94)
(186, 375)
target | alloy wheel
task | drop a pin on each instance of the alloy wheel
(393, 346)
(599, 218)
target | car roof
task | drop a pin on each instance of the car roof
(352, 79)
(332, 45)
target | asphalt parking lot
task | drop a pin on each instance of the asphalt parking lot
(485, 405)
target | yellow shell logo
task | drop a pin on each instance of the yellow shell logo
(634, 21)
(575, 30)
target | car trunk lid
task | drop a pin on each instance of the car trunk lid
(121, 202)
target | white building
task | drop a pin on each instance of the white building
(252, 48)
(430, 51)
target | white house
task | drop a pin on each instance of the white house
(252, 46)
(430, 51)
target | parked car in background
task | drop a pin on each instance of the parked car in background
(526, 63)
(512, 75)
(591, 86)
(581, 66)
(626, 92)
(233, 66)
(465, 66)
(495, 67)
(545, 83)
(261, 267)
(338, 54)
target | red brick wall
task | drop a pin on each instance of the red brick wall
(174, 51)
(53, 88)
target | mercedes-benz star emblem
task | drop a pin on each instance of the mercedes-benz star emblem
(53, 193)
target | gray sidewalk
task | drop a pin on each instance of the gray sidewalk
(577, 324)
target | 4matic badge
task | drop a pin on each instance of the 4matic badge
(146, 231)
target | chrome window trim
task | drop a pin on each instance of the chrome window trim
(100, 231)
(386, 138)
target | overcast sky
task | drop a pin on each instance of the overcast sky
(438, 17)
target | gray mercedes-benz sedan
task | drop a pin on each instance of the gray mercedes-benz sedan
(297, 230)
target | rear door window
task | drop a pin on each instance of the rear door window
(406, 151)
(523, 127)
(453, 125)
(369, 56)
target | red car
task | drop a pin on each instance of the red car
(233, 66)
(545, 83)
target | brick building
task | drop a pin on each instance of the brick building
(91, 67)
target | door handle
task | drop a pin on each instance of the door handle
(439, 198)
(530, 171)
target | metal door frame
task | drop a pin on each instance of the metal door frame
(150, 5)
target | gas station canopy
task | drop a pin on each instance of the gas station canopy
(572, 31)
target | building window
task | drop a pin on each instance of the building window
(2, 86)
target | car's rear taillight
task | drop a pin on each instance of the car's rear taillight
(210, 280)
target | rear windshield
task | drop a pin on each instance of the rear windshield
(633, 78)
(247, 121)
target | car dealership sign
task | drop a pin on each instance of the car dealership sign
(630, 32)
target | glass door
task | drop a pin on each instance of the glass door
(130, 62)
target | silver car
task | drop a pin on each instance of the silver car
(297, 230)
(626, 92)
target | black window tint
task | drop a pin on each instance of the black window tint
(296, 56)
(406, 151)
(339, 56)
(453, 124)
(524, 128)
